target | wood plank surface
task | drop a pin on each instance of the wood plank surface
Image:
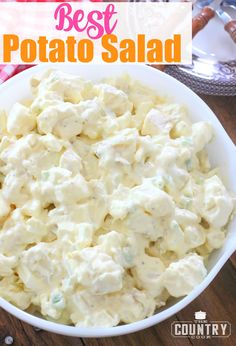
(218, 300)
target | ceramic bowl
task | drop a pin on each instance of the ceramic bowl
(222, 152)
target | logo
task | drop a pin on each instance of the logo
(200, 315)
(200, 328)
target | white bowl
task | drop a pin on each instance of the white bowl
(222, 153)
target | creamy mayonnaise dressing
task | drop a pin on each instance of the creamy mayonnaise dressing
(108, 203)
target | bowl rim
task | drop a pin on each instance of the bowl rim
(98, 332)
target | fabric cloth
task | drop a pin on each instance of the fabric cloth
(7, 71)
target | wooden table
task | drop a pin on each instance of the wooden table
(218, 300)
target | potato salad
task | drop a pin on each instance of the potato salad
(108, 203)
